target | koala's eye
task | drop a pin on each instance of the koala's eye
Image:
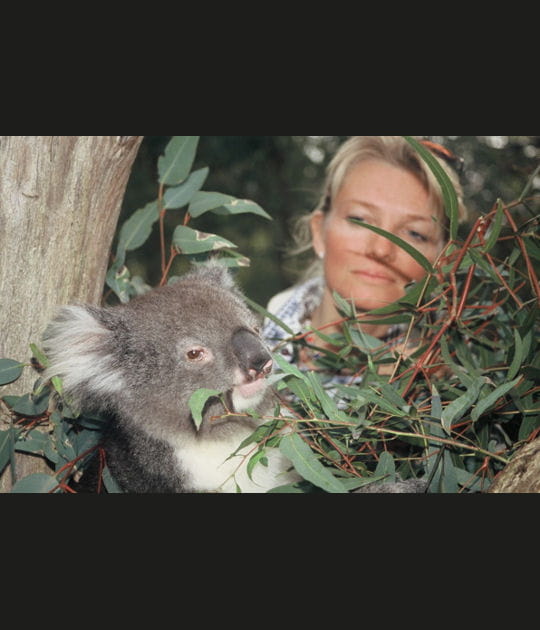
(195, 354)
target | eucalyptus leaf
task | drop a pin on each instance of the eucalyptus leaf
(242, 206)
(386, 467)
(345, 307)
(186, 240)
(34, 441)
(265, 313)
(258, 458)
(289, 368)
(491, 399)
(10, 370)
(181, 195)
(197, 401)
(28, 405)
(205, 201)
(175, 164)
(7, 442)
(232, 259)
(35, 483)
(118, 279)
(412, 297)
(436, 406)
(327, 403)
(307, 465)
(412, 251)
(136, 230)
(110, 482)
(287, 489)
(519, 351)
(448, 190)
(39, 355)
(448, 481)
(495, 230)
(458, 407)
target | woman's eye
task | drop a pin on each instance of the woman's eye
(417, 236)
(356, 219)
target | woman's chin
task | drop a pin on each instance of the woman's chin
(371, 304)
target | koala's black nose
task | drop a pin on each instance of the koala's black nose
(252, 355)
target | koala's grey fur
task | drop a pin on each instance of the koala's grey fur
(139, 363)
(409, 486)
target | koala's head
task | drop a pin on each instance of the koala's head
(145, 359)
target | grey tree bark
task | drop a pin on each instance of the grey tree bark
(522, 474)
(60, 198)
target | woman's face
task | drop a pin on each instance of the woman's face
(360, 264)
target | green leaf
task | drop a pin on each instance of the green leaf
(219, 203)
(136, 230)
(34, 441)
(197, 401)
(345, 307)
(205, 201)
(7, 445)
(28, 405)
(110, 483)
(10, 370)
(518, 356)
(377, 398)
(234, 260)
(258, 457)
(436, 405)
(495, 228)
(412, 251)
(36, 483)
(490, 400)
(458, 407)
(530, 183)
(307, 465)
(119, 280)
(242, 206)
(288, 368)
(528, 425)
(386, 467)
(412, 297)
(449, 194)
(287, 489)
(181, 195)
(328, 405)
(174, 166)
(189, 241)
(448, 482)
(39, 355)
(265, 313)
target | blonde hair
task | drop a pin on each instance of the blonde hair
(394, 150)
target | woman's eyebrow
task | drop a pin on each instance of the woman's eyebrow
(419, 217)
(406, 217)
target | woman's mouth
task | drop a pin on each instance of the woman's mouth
(375, 276)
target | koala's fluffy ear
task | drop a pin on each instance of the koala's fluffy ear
(217, 272)
(79, 347)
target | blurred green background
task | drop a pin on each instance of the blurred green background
(284, 175)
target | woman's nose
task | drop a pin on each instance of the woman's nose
(380, 247)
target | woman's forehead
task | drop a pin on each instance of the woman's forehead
(378, 185)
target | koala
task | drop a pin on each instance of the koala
(139, 363)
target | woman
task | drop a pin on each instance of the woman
(382, 181)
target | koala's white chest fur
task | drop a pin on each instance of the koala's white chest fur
(208, 468)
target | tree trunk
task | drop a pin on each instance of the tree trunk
(522, 474)
(60, 197)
